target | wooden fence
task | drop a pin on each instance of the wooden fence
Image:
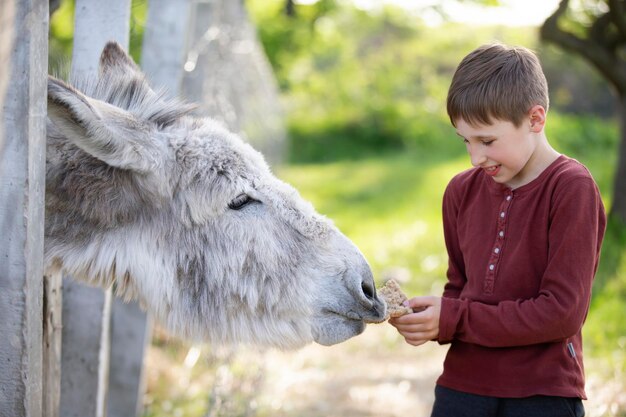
(67, 349)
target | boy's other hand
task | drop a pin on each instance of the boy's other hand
(422, 326)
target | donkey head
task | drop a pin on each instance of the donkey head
(184, 216)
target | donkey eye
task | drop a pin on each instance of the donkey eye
(240, 202)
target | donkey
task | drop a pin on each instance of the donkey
(181, 214)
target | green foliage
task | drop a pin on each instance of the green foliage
(589, 139)
(357, 83)
(61, 38)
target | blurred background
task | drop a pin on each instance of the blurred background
(358, 90)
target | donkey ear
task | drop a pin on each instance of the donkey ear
(115, 58)
(106, 132)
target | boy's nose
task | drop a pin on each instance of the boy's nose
(477, 158)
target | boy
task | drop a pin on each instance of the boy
(523, 230)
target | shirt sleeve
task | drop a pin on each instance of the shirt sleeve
(456, 267)
(560, 307)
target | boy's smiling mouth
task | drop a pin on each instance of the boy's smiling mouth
(492, 170)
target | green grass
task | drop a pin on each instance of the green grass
(605, 330)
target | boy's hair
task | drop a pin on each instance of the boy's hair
(496, 81)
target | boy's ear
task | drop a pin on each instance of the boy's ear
(537, 116)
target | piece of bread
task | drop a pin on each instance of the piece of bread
(394, 297)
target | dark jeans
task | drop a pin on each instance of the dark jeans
(451, 403)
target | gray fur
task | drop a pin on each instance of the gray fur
(138, 196)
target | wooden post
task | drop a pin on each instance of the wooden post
(131, 333)
(164, 41)
(96, 23)
(162, 59)
(85, 350)
(52, 332)
(22, 178)
(87, 310)
(228, 74)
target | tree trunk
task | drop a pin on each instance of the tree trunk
(54, 5)
(290, 8)
(600, 47)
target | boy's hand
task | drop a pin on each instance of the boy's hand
(423, 326)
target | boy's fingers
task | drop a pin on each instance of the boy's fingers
(419, 303)
(419, 316)
(415, 328)
(405, 320)
(417, 339)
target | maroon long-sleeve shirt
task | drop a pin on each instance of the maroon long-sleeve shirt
(521, 266)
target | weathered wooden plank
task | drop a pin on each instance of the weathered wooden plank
(85, 351)
(86, 310)
(228, 74)
(163, 50)
(162, 58)
(52, 330)
(96, 23)
(22, 176)
(131, 332)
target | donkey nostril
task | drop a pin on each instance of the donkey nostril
(368, 289)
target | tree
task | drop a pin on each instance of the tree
(290, 8)
(597, 33)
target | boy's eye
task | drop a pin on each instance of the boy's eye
(487, 142)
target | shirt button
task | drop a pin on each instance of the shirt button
(497, 250)
(502, 214)
(501, 234)
(508, 198)
(491, 267)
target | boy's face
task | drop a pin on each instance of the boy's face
(503, 151)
